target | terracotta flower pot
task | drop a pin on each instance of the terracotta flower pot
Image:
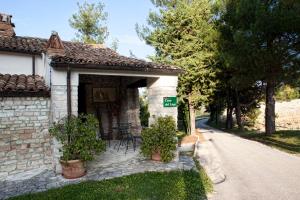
(156, 156)
(73, 169)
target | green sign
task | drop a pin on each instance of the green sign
(170, 101)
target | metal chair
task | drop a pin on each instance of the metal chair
(125, 135)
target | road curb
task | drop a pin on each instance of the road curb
(210, 160)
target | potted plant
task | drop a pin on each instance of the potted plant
(78, 136)
(159, 140)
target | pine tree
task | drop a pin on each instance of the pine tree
(90, 23)
(265, 44)
(183, 34)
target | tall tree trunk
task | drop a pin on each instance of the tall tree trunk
(238, 112)
(187, 119)
(212, 113)
(217, 116)
(229, 120)
(192, 117)
(270, 108)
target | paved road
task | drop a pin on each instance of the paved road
(253, 170)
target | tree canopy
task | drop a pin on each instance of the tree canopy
(261, 41)
(183, 34)
(114, 44)
(89, 22)
(234, 52)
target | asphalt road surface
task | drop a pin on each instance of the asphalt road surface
(253, 170)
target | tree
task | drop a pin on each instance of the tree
(89, 22)
(115, 44)
(183, 34)
(131, 54)
(236, 81)
(265, 37)
(287, 93)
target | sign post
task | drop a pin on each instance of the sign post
(170, 102)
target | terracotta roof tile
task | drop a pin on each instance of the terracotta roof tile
(23, 44)
(22, 85)
(83, 55)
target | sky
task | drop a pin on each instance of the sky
(38, 18)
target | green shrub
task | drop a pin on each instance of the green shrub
(287, 93)
(78, 136)
(251, 116)
(161, 136)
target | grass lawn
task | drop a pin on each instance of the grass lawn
(288, 141)
(174, 185)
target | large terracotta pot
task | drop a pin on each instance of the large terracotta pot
(156, 156)
(73, 169)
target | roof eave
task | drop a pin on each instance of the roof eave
(19, 51)
(117, 68)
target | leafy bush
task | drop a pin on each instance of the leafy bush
(78, 136)
(287, 93)
(251, 116)
(160, 137)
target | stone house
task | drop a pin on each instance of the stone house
(44, 80)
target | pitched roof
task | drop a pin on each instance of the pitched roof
(83, 55)
(22, 85)
(105, 58)
(19, 44)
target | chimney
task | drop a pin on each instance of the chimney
(54, 45)
(6, 26)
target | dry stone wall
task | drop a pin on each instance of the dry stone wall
(25, 142)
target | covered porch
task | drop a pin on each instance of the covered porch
(113, 97)
(114, 100)
(93, 79)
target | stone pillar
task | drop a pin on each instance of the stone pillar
(158, 88)
(133, 110)
(59, 111)
(59, 105)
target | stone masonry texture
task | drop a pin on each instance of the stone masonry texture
(59, 101)
(25, 143)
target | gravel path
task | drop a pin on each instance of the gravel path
(253, 170)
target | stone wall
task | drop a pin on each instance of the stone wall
(59, 111)
(133, 110)
(158, 88)
(59, 101)
(287, 115)
(25, 143)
